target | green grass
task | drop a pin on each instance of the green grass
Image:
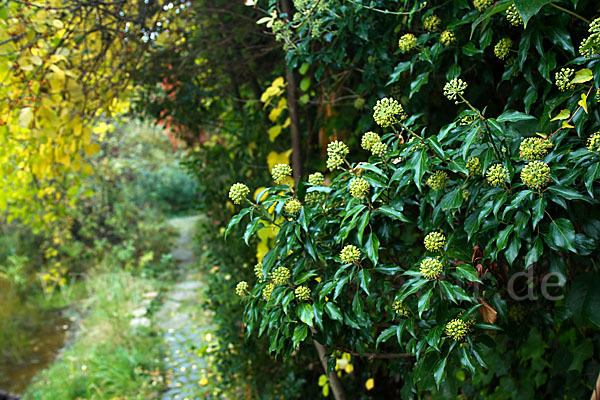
(107, 358)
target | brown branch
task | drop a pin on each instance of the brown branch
(372, 356)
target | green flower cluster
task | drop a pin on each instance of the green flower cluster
(292, 207)
(536, 175)
(502, 48)
(313, 198)
(336, 154)
(591, 44)
(467, 120)
(316, 179)
(369, 139)
(435, 242)
(280, 275)
(379, 149)
(534, 148)
(593, 142)
(465, 194)
(418, 144)
(241, 289)
(258, 271)
(438, 180)
(280, 173)
(517, 313)
(407, 42)
(457, 329)
(359, 103)
(448, 38)
(432, 23)
(350, 254)
(497, 174)
(431, 268)
(474, 166)
(302, 293)
(513, 16)
(454, 89)
(563, 79)
(400, 309)
(481, 5)
(267, 291)
(238, 192)
(388, 112)
(359, 187)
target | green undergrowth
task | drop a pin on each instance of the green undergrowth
(107, 357)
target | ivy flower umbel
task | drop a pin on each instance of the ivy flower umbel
(292, 207)
(502, 48)
(513, 16)
(379, 149)
(432, 23)
(438, 180)
(474, 166)
(497, 175)
(536, 175)
(241, 289)
(481, 5)
(316, 179)
(407, 42)
(457, 329)
(369, 139)
(280, 173)
(388, 112)
(455, 89)
(431, 268)
(258, 271)
(435, 242)
(350, 254)
(336, 154)
(302, 293)
(448, 38)
(563, 79)
(593, 142)
(400, 309)
(534, 148)
(238, 192)
(267, 291)
(358, 187)
(280, 275)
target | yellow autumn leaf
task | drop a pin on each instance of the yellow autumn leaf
(91, 149)
(370, 384)
(274, 158)
(273, 132)
(563, 114)
(583, 102)
(582, 76)
(25, 117)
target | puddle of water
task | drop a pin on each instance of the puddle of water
(29, 341)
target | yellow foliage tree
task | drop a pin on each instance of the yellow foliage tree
(64, 63)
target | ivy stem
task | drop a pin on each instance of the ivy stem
(489, 132)
(573, 13)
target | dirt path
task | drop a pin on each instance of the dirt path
(187, 329)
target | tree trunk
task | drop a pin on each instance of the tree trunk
(293, 109)
(334, 382)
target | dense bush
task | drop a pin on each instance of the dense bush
(414, 257)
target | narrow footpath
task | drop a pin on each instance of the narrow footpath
(187, 328)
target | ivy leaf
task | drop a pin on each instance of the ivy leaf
(583, 299)
(561, 235)
(372, 247)
(300, 333)
(386, 334)
(583, 75)
(438, 372)
(304, 311)
(528, 8)
(333, 311)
